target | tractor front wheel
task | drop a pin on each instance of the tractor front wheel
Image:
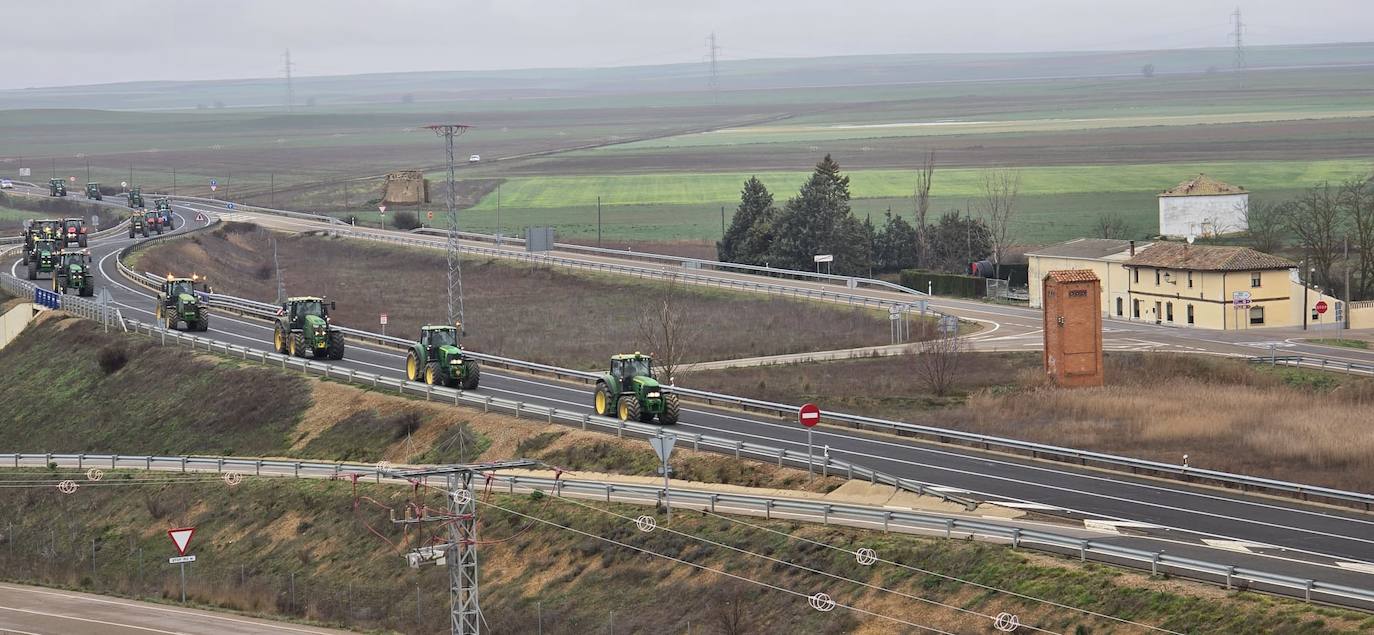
(412, 367)
(474, 374)
(629, 408)
(432, 374)
(297, 345)
(603, 402)
(670, 410)
(335, 348)
(131, 232)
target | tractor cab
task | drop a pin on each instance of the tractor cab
(298, 309)
(93, 191)
(68, 258)
(437, 337)
(627, 367)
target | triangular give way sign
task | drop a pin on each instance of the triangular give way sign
(181, 537)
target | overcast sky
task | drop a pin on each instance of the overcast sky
(61, 42)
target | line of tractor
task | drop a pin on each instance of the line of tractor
(46, 251)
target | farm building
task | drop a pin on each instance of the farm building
(1202, 206)
(1102, 256)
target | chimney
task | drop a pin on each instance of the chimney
(1132, 248)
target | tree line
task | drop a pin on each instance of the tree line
(1332, 226)
(820, 221)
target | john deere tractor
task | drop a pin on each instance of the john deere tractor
(303, 325)
(93, 191)
(138, 223)
(179, 300)
(439, 360)
(136, 197)
(73, 232)
(57, 187)
(42, 258)
(631, 392)
(164, 210)
(73, 272)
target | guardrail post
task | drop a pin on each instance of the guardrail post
(768, 509)
(587, 419)
(850, 469)
(737, 447)
(825, 514)
(780, 453)
(257, 468)
(713, 502)
(1083, 550)
(183, 464)
(1307, 591)
(619, 428)
(298, 469)
(486, 404)
(80, 461)
(1230, 570)
(517, 409)
(1154, 563)
(114, 460)
(429, 390)
(148, 463)
(219, 465)
(949, 528)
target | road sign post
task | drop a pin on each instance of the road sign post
(809, 415)
(181, 538)
(214, 185)
(663, 447)
(383, 321)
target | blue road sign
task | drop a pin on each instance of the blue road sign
(214, 182)
(228, 206)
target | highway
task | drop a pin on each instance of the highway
(28, 610)
(1280, 535)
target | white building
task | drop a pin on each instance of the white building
(1202, 206)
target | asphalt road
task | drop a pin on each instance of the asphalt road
(1277, 535)
(38, 611)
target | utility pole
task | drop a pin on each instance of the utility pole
(290, 91)
(714, 84)
(281, 283)
(722, 222)
(272, 189)
(455, 264)
(498, 214)
(461, 551)
(598, 221)
(1237, 29)
(174, 180)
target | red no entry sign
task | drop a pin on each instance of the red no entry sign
(1320, 307)
(809, 415)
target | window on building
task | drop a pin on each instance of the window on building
(1255, 279)
(1135, 309)
(1190, 279)
(1190, 314)
(1156, 277)
(1257, 314)
(1119, 305)
(1169, 312)
(1135, 275)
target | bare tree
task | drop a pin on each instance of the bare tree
(667, 328)
(1264, 225)
(1112, 225)
(937, 362)
(924, 177)
(732, 609)
(1316, 219)
(1000, 188)
(1357, 200)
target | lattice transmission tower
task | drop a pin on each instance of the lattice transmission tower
(455, 265)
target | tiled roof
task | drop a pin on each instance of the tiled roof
(1207, 258)
(1202, 185)
(1072, 275)
(1086, 248)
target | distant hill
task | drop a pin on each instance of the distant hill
(399, 88)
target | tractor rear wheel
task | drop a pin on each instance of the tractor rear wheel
(474, 375)
(87, 291)
(629, 408)
(412, 367)
(432, 374)
(131, 232)
(297, 345)
(145, 231)
(335, 348)
(33, 271)
(81, 241)
(604, 402)
(670, 410)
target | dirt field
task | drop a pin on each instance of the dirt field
(538, 314)
(1293, 425)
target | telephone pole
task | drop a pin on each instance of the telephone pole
(1237, 29)
(290, 90)
(455, 264)
(281, 283)
(465, 612)
(714, 84)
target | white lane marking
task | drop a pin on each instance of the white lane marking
(1024, 505)
(87, 620)
(160, 609)
(1234, 545)
(1115, 526)
(1362, 567)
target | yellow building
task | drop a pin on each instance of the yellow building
(1202, 286)
(1102, 256)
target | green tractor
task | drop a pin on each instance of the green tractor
(93, 191)
(73, 272)
(303, 325)
(631, 392)
(138, 223)
(136, 197)
(42, 258)
(57, 187)
(179, 301)
(439, 360)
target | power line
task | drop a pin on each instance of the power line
(715, 571)
(946, 576)
(805, 568)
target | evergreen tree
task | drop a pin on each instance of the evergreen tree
(897, 245)
(818, 220)
(957, 241)
(749, 237)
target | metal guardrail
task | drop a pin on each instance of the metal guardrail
(220, 206)
(1157, 562)
(1322, 363)
(942, 435)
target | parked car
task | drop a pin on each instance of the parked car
(474, 158)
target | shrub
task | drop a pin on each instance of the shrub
(112, 358)
(406, 221)
(405, 425)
